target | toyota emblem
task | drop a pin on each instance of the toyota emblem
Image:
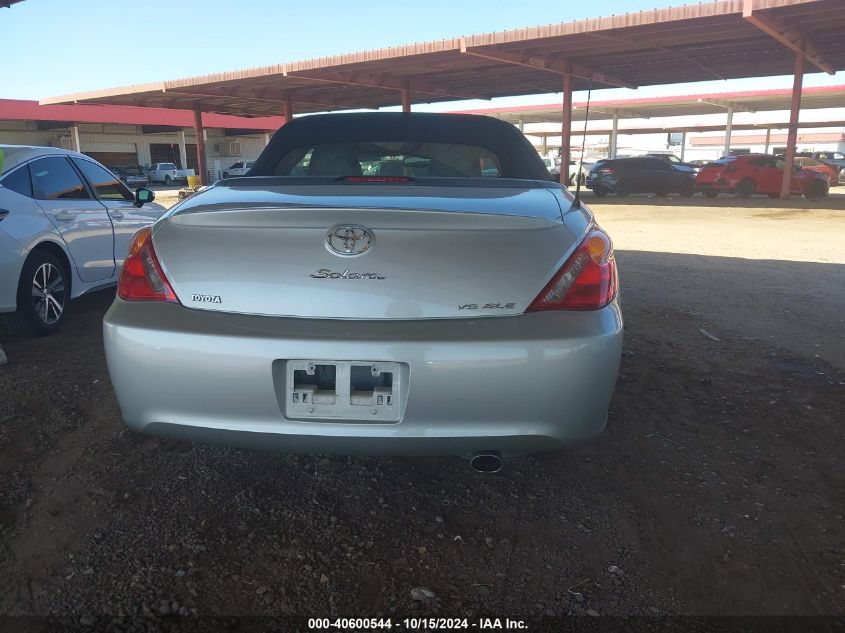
(349, 240)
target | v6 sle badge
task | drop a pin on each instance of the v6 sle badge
(486, 306)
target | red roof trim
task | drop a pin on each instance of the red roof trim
(23, 110)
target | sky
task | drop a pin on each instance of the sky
(56, 47)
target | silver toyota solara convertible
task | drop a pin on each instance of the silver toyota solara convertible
(379, 283)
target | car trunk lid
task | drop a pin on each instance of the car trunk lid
(434, 252)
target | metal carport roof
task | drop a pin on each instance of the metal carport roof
(681, 105)
(723, 39)
(713, 40)
(658, 129)
(765, 133)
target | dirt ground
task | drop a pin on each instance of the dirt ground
(716, 489)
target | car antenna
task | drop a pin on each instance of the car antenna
(576, 203)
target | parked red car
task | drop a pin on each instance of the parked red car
(748, 174)
(831, 172)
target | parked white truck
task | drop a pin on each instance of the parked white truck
(167, 173)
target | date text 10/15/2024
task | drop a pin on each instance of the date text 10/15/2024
(428, 624)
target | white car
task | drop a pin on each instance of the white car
(65, 227)
(574, 168)
(166, 173)
(238, 169)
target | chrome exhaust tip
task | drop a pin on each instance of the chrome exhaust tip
(486, 462)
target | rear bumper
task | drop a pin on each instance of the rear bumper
(606, 183)
(720, 186)
(513, 384)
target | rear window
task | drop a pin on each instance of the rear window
(763, 161)
(654, 163)
(392, 144)
(390, 158)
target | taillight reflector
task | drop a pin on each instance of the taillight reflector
(142, 278)
(587, 281)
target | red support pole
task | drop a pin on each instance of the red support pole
(792, 136)
(406, 100)
(201, 163)
(287, 110)
(566, 130)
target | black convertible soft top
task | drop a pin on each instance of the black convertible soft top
(517, 157)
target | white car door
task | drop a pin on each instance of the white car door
(20, 219)
(82, 221)
(120, 202)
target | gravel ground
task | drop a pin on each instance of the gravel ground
(717, 488)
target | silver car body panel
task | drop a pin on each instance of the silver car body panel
(86, 230)
(28, 225)
(518, 201)
(536, 381)
(11, 261)
(438, 252)
(127, 219)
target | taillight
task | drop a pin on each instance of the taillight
(142, 278)
(587, 281)
(607, 170)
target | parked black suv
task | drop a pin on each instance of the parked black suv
(674, 161)
(624, 176)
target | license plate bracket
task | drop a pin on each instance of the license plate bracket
(355, 391)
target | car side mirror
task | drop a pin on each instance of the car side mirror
(143, 196)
